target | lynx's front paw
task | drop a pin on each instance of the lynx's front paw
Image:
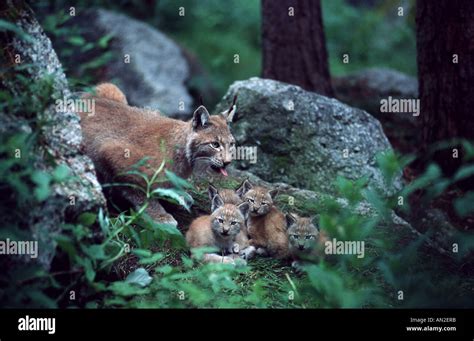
(295, 264)
(297, 267)
(262, 252)
(238, 261)
(227, 260)
(248, 253)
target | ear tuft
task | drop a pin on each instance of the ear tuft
(290, 220)
(273, 193)
(244, 188)
(201, 117)
(229, 114)
(315, 222)
(244, 209)
(212, 192)
(216, 202)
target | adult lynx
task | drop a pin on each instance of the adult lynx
(118, 136)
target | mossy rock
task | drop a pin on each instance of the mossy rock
(304, 139)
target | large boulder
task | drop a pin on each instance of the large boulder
(60, 137)
(367, 88)
(148, 66)
(302, 138)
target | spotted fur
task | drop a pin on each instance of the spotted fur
(220, 228)
(266, 224)
(230, 196)
(118, 136)
(305, 240)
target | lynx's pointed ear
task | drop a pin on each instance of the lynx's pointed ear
(290, 220)
(216, 202)
(244, 188)
(229, 114)
(314, 220)
(200, 118)
(244, 209)
(212, 192)
(273, 193)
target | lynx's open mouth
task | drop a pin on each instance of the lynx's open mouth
(221, 170)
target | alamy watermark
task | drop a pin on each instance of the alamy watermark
(47, 324)
(400, 105)
(14, 247)
(346, 247)
(245, 153)
(68, 104)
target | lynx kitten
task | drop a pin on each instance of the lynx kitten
(219, 229)
(305, 241)
(230, 196)
(266, 224)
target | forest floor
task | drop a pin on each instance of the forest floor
(279, 282)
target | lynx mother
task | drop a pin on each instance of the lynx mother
(118, 136)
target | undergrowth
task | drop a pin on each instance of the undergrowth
(129, 260)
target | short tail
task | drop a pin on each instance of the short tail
(110, 91)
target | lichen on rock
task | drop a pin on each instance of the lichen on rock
(60, 134)
(304, 139)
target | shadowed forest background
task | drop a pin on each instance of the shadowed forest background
(401, 189)
(213, 31)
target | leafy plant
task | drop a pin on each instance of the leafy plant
(127, 259)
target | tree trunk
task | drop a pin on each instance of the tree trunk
(445, 29)
(294, 47)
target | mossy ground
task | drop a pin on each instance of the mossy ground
(272, 283)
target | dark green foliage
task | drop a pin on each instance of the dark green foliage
(128, 260)
(23, 185)
(82, 61)
(371, 37)
(215, 31)
(163, 275)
